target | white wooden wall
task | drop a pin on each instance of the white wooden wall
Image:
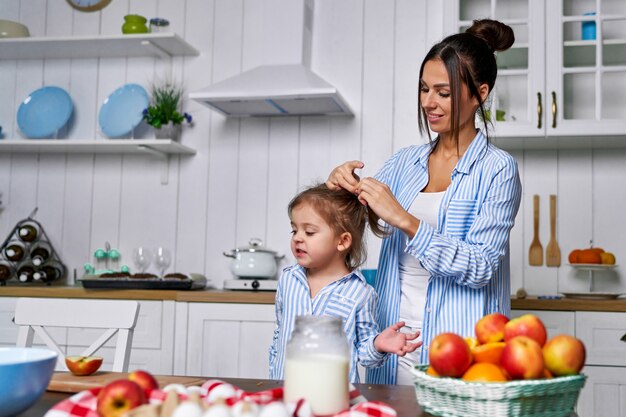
(246, 171)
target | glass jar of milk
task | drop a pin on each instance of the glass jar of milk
(316, 364)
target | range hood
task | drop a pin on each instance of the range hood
(277, 90)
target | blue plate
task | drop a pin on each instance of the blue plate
(44, 112)
(123, 110)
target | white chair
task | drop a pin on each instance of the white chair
(34, 315)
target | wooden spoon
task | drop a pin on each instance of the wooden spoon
(553, 253)
(535, 253)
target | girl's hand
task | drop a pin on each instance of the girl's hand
(379, 198)
(391, 340)
(343, 176)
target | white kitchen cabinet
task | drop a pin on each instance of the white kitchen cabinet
(604, 393)
(225, 340)
(153, 339)
(552, 82)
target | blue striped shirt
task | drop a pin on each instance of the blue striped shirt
(349, 298)
(467, 254)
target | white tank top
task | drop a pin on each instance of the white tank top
(414, 278)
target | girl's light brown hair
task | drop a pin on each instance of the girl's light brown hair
(343, 212)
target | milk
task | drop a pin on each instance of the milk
(322, 379)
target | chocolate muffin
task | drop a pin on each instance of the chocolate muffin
(175, 275)
(144, 275)
(115, 275)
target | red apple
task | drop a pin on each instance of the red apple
(449, 355)
(83, 365)
(526, 325)
(118, 397)
(144, 379)
(564, 355)
(522, 358)
(490, 328)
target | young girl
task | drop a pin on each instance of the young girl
(328, 242)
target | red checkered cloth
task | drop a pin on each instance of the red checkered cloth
(83, 404)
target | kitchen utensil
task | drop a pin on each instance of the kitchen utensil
(66, 382)
(535, 252)
(44, 112)
(123, 110)
(162, 259)
(251, 284)
(142, 258)
(24, 375)
(11, 29)
(553, 252)
(254, 261)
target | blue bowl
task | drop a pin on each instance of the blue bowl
(24, 376)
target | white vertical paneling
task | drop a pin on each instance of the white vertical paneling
(246, 171)
(609, 203)
(574, 214)
(411, 32)
(193, 180)
(540, 177)
(224, 145)
(282, 183)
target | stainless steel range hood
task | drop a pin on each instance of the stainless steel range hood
(277, 90)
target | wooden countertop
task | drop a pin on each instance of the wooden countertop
(267, 297)
(569, 304)
(195, 296)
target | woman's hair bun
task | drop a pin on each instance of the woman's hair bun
(497, 35)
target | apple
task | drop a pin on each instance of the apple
(83, 365)
(118, 397)
(564, 355)
(522, 358)
(490, 328)
(144, 379)
(449, 355)
(526, 325)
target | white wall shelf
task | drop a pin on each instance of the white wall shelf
(164, 45)
(161, 148)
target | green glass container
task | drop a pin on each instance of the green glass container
(134, 23)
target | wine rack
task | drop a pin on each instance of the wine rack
(27, 255)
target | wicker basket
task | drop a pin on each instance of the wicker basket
(450, 397)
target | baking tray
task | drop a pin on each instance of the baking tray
(143, 283)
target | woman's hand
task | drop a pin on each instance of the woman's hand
(343, 176)
(379, 198)
(391, 340)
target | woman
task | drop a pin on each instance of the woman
(451, 203)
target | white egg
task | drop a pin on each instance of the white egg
(245, 408)
(221, 391)
(187, 409)
(179, 388)
(274, 409)
(218, 410)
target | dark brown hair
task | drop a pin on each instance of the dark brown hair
(469, 59)
(343, 212)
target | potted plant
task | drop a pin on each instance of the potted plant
(164, 112)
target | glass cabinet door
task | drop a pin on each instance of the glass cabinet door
(586, 67)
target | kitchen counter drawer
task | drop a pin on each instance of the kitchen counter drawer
(568, 304)
(602, 334)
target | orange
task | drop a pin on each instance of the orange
(484, 372)
(547, 374)
(430, 371)
(472, 342)
(573, 256)
(589, 256)
(596, 250)
(489, 352)
(607, 258)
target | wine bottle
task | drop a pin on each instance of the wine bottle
(50, 271)
(14, 251)
(6, 271)
(40, 253)
(28, 231)
(25, 273)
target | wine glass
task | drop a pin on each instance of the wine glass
(162, 259)
(142, 258)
